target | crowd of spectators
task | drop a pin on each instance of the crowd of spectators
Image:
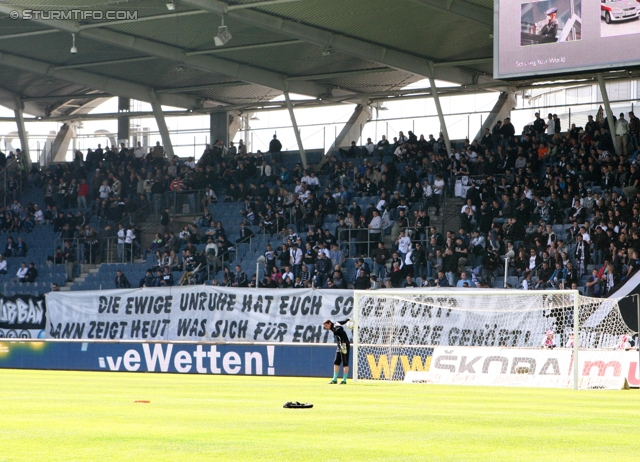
(563, 206)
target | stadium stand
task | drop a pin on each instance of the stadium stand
(559, 205)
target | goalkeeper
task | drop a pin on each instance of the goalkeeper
(342, 353)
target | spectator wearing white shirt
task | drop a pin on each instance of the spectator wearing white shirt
(21, 274)
(438, 191)
(38, 216)
(105, 190)
(369, 146)
(122, 234)
(3, 265)
(622, 138)
(139, 151)
(190, 163)
(311, 181)
(129, 240)
(295, 259)
(287, 273)
(550, 127)
(375, 228)
(306, 178)
(403, 243)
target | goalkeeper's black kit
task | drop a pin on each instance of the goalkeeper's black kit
(342, 340)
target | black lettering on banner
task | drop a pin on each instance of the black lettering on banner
(246, 303)
(436, 335)
(516, 334)
(453, 336)
(477, 338)
(191, 327)
(230, 329)
(269, 299)
(242, 329)
(347, 306)
(297, 333)
(106, 330)
(155, 328)
(108, 305)
(491, 333)
(312, 334)
(69, 330)
(217, 302)
(503, 337)
(136, 326)
(283, 304)
(464, 337)
(271, 331)
(147, 305)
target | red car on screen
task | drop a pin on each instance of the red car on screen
(619, 10)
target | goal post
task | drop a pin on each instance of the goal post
(397, 330)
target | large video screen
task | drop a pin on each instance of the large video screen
(559, 36)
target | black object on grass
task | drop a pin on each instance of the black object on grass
(297, 405)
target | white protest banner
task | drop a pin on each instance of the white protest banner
(197, 313)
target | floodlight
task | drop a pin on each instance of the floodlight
(223, 36)
(171, 6)
(73, 50)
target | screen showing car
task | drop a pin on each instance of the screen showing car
(547, 37)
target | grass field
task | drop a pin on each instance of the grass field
(91, 416)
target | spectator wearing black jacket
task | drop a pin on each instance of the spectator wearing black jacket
(147, 280)
(121, 281)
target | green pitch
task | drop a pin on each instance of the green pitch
(64, 416)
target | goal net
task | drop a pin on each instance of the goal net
(397, 330)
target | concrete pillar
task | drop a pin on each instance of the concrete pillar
(607, 108)
(353, 128)
(124, 106)
(60, 145)
(162, 125)
(436, 99)
(22, 132)
(501, 110)
(303, 155)
(235, 125)
(219, 128)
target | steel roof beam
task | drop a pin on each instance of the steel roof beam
(201, 87)
(8, 100)
(67, 97)
(461, 9)
(27, 34)
(351, 46)
(333, 75)
(205, 63)
(96, 81)
(107, 63)
(188, 53)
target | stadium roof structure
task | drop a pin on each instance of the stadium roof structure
(165, 50)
